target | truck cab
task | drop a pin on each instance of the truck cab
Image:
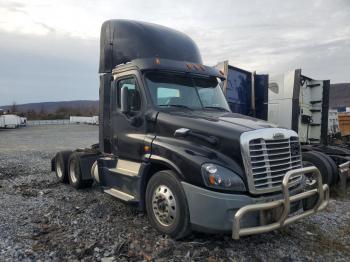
(170, 144)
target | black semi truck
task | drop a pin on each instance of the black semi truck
(169, 143)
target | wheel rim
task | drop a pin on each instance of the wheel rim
(59, 170)
(72, 173)
(311, 179)
(164, 205)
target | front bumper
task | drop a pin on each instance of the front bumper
(321, 191)
(244, 215)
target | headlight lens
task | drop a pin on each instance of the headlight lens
(218, 177)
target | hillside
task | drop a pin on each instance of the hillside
(339, 95)
(54, 110)
(51, 107)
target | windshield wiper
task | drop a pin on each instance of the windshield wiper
(181, 106)
(217, 107)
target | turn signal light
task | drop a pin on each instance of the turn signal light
(147, 149)
(157, 61)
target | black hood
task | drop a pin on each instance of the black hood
(211, 122)
(226, 127)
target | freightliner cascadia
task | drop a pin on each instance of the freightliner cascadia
(169, 143)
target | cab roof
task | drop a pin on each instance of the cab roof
(145, 64)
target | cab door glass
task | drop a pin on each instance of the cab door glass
(134, 98)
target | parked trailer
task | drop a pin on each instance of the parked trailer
(344, 123)
(2, 121)
(333, 124)
(91, 120)
(170, 145)
(11, 121)
(293, 101)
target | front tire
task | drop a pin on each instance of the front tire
(167, 206)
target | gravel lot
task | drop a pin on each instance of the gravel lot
(41, 219)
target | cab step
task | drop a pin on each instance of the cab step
(119, 194)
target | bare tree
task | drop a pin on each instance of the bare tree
(14, 107)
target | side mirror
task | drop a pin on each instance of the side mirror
(124, 103)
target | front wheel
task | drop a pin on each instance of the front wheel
(166, 205)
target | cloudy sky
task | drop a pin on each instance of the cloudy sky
(49, 49)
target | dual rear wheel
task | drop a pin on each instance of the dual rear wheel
(68, 169)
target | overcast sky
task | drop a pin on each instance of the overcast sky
(49, 49)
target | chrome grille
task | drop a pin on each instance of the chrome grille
(267, 160)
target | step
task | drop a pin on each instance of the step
(127, 168)
(119, 194)
(315, 101)
(313, 85)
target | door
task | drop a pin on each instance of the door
(128, 129)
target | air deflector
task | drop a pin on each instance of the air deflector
(124, 40)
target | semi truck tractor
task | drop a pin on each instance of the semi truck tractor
(295, 101)
(170, 145)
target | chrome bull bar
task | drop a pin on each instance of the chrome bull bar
(344, 175)
(322, 191)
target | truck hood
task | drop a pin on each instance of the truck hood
(224, 126)
(218, 122)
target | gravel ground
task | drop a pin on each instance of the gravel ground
(41, 219)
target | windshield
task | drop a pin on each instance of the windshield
(185, 91)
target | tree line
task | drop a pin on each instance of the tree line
(62, 112)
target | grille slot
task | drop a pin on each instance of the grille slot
(271, 159)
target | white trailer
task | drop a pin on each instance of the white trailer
(81, 120)
(2, 121)
(333, 122)
(11, 121)
(95, 120)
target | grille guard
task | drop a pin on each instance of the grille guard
(344, 175)
(322, 191)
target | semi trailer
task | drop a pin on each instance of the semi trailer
(10, 121)
(295, 101)
(170, 145)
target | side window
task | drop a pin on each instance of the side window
(134, 97)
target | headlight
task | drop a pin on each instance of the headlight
(216, 176)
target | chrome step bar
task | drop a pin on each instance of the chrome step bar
(119, 194)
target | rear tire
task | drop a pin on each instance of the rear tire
(61, 166)
(74, 173)
(167, 206)
(320, 161)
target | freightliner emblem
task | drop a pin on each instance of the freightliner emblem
(278, 136)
